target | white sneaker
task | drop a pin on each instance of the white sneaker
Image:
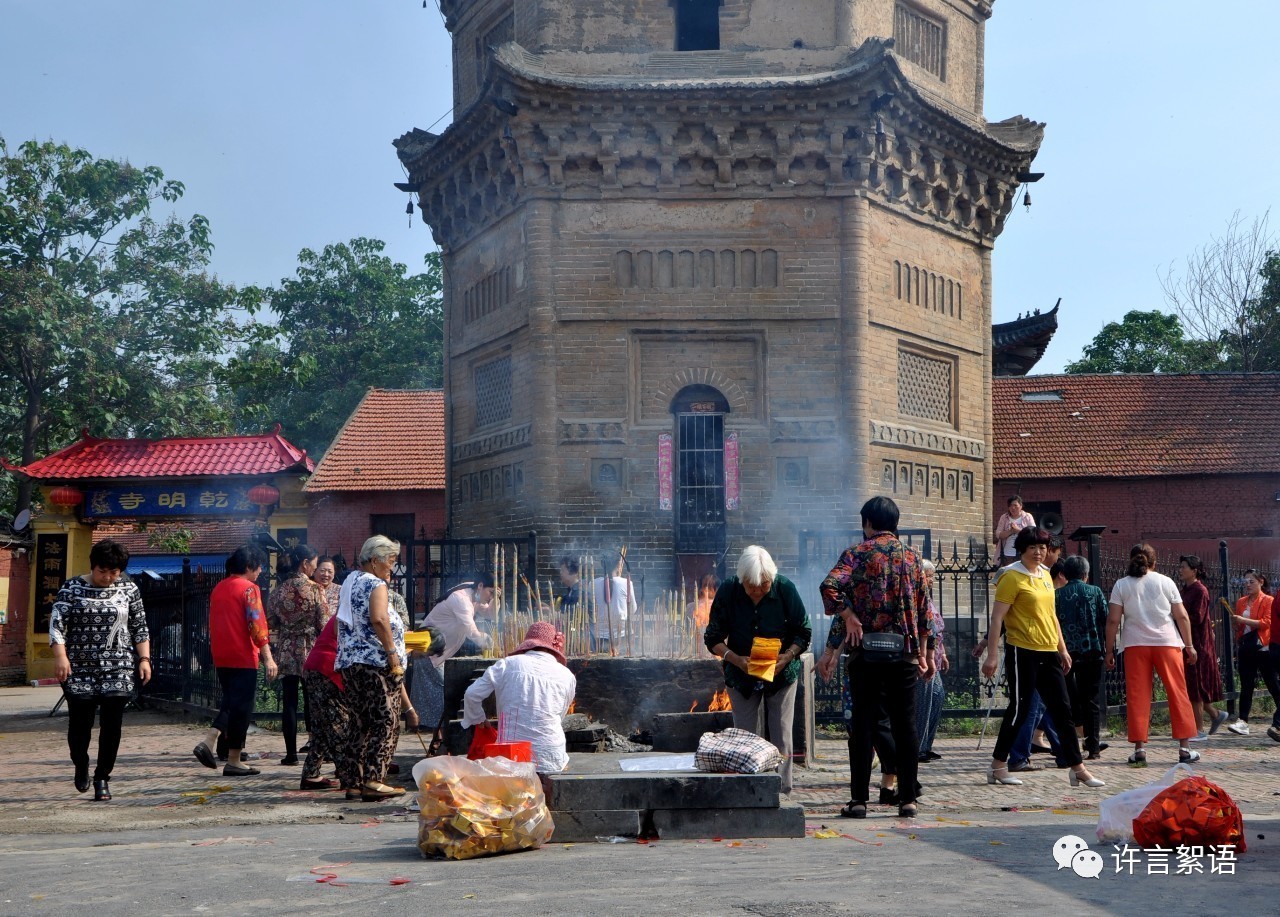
(1239, 727)
(1201, 736)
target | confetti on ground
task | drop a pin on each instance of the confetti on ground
(953, 821)
(468, 896)
(861, 841)
(997, 843)
(826, 833)
(1084, 814)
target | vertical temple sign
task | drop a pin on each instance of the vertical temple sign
(697, 25)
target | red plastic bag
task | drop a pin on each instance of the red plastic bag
(1192, 812)
(483, 736)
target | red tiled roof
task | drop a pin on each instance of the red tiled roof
(393, 440)
(215, 536)
(177, 457)
(1121, 426)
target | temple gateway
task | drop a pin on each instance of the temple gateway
(717, 270)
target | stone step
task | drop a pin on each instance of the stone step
(587, 792)
(688, 824)
(583, 827)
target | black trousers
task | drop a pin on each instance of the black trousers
(1083, 682)
(1027, 671)
(80, 713)
(889, 687)
(1252, 663)
(290, 687)
(238, 689)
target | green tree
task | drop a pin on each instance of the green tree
(111, 320)
(1145, 342)
(350, 319)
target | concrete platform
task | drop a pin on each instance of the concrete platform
(587, 792)
(691, 824)
(583, 827)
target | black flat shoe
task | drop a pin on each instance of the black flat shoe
(908, 810)
(888, 797)
(205, 755)
(290, 760)
(101, 790)
(1041, 749)
(393, 768)
(854, 810)
(934, 756)
(82, 779)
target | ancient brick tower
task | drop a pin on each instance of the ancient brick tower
(717, 270)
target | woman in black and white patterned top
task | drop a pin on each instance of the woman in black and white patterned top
(98, 631)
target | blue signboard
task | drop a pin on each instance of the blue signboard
(216, 499)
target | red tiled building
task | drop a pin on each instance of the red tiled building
(384, 474)
(221, 488)
(1179, 460)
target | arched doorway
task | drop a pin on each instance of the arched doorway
(700, 481)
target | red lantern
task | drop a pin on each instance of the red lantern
(66, 496)
(264, 495)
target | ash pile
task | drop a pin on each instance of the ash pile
(583, 734)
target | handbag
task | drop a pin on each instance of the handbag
(884, 646)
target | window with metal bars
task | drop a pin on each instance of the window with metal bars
(700, 512)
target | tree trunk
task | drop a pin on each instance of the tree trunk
(30, 426)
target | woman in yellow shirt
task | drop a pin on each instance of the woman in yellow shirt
(1036, 656)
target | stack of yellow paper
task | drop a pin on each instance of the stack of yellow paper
(764, 656)
(417, 640)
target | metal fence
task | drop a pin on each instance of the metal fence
(963, 593)
(177, 609)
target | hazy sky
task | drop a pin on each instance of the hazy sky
(278, 115)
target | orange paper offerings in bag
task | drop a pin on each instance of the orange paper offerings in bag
(764, 656)
(1192, 812)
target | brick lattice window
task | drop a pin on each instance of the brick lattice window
(925, 386)
(920, 39)
(493, 392)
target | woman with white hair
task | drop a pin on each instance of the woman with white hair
(759, 603)
(930, 693)
(371, 659)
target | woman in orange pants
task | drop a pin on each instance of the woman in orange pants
(1155, 637)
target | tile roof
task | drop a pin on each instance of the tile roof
(208, 536)
(91, 458)
(393, 440)
(1119, 426)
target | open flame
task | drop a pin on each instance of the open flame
(693, 706)
(573, 705)
(720, 701)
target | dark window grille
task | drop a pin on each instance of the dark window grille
(700, 520)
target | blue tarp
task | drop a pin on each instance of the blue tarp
(172, 563)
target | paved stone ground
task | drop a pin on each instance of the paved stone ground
(158, 783)
(180, 839)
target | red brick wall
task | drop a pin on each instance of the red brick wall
(338, 522)
(13, 636)
(1177, 515)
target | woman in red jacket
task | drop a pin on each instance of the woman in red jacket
(237, 638)
(1253, 634)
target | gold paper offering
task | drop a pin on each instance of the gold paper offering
(764, 656)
